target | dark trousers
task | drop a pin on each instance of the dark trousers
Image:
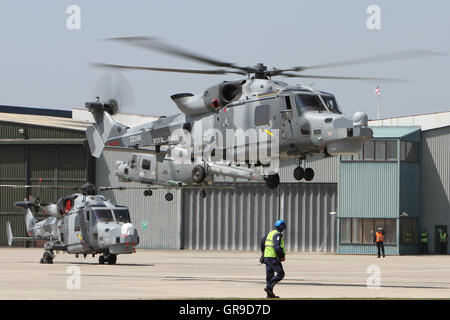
(443, 247)
(380, 247)
(424, 248)
(273, 266)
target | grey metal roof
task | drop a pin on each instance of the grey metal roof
(47, 121)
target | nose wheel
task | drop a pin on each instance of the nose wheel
(300, 173)
(110, 259)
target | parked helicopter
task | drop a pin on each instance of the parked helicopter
(238, 129)
(81, 223)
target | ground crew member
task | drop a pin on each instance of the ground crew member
(379, 240)
(443, 238)
(424, 242)
(273, 253)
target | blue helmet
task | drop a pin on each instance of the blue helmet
(280, 224)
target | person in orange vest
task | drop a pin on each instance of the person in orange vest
(379, 240)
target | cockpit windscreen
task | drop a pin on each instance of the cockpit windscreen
(103, 215)
(122, 215)
(308, 102)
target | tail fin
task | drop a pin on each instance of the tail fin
(105, 127)
(30, 219)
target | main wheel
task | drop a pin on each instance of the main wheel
(168, 196)
(309, 174)
(272, 181)
(148, 193)
(101, 259)
(112, 258)
(198, 174)
(299, 173)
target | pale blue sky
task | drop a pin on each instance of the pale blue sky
(43, 64)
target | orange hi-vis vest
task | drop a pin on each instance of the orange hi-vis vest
(380, 237)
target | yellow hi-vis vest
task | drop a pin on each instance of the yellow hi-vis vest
(269, 251)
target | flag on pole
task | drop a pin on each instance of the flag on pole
(377, 90)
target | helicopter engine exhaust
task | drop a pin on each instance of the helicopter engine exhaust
(211, 100)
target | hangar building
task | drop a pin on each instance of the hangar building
(405, 187)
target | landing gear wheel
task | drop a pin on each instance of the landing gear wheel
(299, 173)
(309, 174)
(168, 196)
(148, 193)
(198, 174)
(272, 181)
(101, 259)
(112, 258)
(47, 258)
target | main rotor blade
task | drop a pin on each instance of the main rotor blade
(157, 45)
(38, 186)
(195, 71)
(293, 75)
(401, 55)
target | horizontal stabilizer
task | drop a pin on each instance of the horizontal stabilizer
(10, 236)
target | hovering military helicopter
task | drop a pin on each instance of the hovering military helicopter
(82, 223)
(236, 128)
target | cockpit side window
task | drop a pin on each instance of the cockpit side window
(145, 164)
(122, 215)
(262, 115)
(331, 103)
(308, 102)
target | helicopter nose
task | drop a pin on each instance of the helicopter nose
(360, 119)
(122, 170)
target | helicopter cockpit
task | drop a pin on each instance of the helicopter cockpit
(330, 102)
(320, 102)
(115, 215)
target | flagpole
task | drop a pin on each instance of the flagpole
(378, 105)
(377, 91)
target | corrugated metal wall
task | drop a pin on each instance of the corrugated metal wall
(369, 189)
(311, 212)
(237, 218)
(33, 161)
(10, 130)
(435, 181)
(158, 221)
(325, 170)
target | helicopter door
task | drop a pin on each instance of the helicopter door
(86, 223)
(147, 168)
(75, 238)
(287, 121)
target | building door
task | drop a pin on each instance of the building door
(440, 249)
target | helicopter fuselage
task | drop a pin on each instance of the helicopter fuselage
(252, 123)
(83, 224)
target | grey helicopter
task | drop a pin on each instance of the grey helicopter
(239, 129)
(81, 224)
